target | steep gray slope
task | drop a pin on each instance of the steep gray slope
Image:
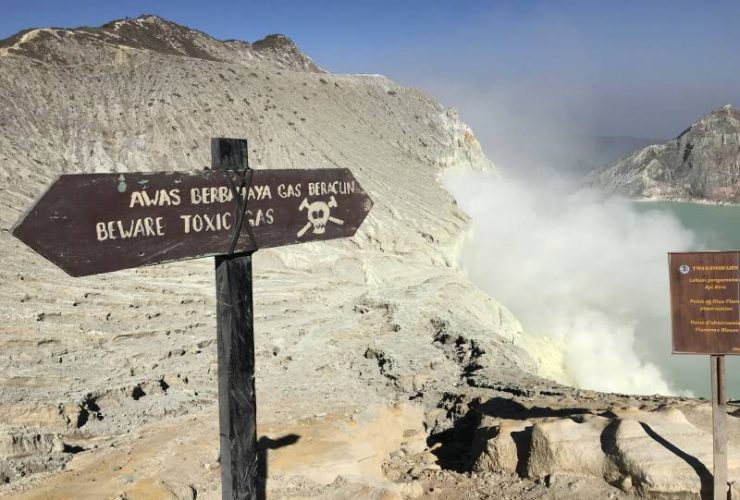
(702, 163)
(341, 327)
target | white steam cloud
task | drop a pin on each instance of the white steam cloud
(587, 271)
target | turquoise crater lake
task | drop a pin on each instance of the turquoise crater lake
(717, 227)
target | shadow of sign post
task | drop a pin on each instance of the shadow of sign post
(96, 223)
(263, 446)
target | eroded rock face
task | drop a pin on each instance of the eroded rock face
(567, 447)
(702, 163)
(504, 446)
(663, 453)
(20, 442)
(648, 453)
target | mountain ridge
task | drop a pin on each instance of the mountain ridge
(701, 164)
(154, 33)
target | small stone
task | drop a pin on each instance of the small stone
(393, 474)
(625, 484)
(411, 489)
(415, 472)
(428, 457)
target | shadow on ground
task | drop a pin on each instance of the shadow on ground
(263, 446)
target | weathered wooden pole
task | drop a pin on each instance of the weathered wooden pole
(719, 427)
(237, 405)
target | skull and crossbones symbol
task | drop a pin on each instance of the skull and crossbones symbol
(319, 213)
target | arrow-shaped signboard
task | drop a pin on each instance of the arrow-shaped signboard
(96, 223)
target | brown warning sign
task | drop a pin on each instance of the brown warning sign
(97, 223)
(705, 302)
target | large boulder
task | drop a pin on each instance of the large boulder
(663, 453)
(567, 447)
(501, 448)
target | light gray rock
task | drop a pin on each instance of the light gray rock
(702, 163)
(663, 453)
(21, 442)
(567, 447)
(501, 451)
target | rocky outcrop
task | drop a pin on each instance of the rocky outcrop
(567, 447)
(702, 164)
(657, 453)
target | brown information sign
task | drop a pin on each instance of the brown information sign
(96, 223)
(705, 302)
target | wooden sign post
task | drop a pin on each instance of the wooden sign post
(95, 223)
(719, 427)
(705, 317)
(237, 401)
